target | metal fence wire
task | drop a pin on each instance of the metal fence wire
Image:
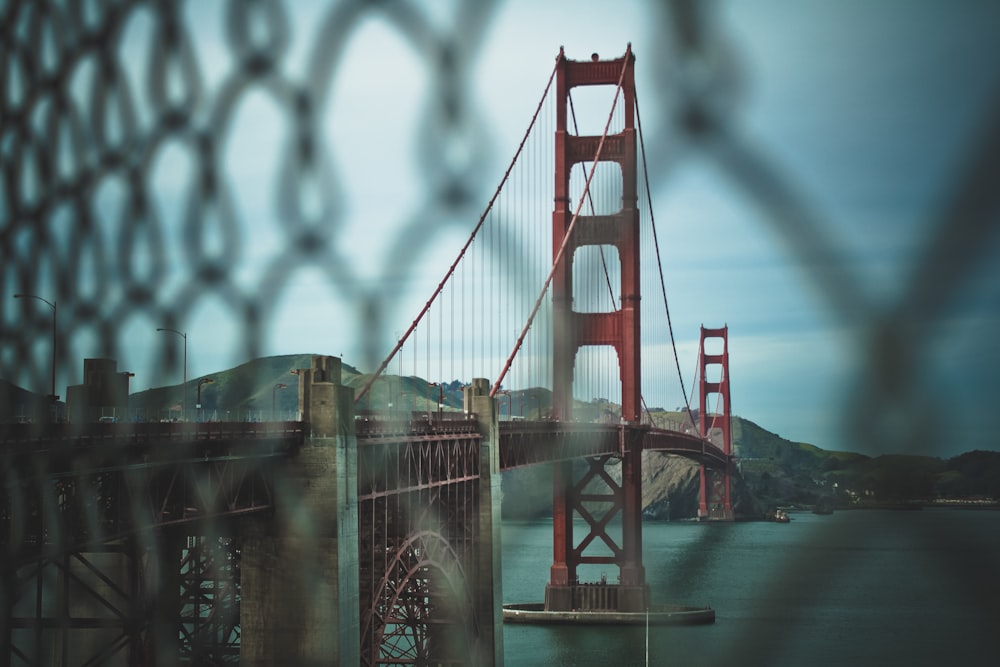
(127, 190)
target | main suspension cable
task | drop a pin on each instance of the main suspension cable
(659, 260)
(451, 270)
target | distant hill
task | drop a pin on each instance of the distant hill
(238, 394)
(246, 392)
(779, 472)
(19, 404)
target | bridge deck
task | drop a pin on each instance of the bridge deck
(163, 468)
(526, 443)
(67, 486)
(531, 443)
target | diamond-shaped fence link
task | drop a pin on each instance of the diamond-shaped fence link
(100, 100)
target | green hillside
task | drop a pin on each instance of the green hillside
(240, 393)
(247, 391)
(778, 472)
(18, 404)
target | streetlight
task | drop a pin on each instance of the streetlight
(184, 386)
(274, 391)
(197, 400)
(507, 394)
(440, 397)
(53, 397)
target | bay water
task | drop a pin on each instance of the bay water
(862, 587)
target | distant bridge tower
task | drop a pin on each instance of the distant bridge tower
(716, 486)
(618, 328)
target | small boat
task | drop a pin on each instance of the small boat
(778, 515)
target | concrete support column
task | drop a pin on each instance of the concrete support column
(8, 588)
(299, 568)
(489, 599)
(161, 571)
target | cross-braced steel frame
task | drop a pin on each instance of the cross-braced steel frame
(210, 601)
(98, 565)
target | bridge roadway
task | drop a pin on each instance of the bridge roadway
(60, 451)
(103, 481)
(527, 443)
(426, 450)
(530, 443)
(169, 473)
(423, 451)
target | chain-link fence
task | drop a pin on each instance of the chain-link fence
(217, 169)
(196, 166)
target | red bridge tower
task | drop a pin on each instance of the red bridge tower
(716, 486)
(573, 330)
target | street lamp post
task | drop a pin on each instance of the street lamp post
(440, 397)
(184, 386)
(53, 397)
(197, 400)
(274, 391)
(507, 394)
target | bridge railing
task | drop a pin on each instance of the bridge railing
(65, 485)
(371, 424)
(533, 443)
(677, 426)
(525, 443)
(84, 434)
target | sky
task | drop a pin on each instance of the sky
(814, 222)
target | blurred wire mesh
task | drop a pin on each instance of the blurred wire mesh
(121, 196)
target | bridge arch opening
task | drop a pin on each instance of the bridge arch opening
(590, 106)
(596, 279)
(605, 194)
(597, 391)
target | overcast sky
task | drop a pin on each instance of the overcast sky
(851, 122)
(864, 113)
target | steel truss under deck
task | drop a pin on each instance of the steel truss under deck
(418, 506)
(113, 538)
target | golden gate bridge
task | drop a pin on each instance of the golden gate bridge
(365, 532)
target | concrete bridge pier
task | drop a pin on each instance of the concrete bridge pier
(488, 584)
(299, 566)
(161, 571)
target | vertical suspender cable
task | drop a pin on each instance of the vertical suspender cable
(451, 270)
